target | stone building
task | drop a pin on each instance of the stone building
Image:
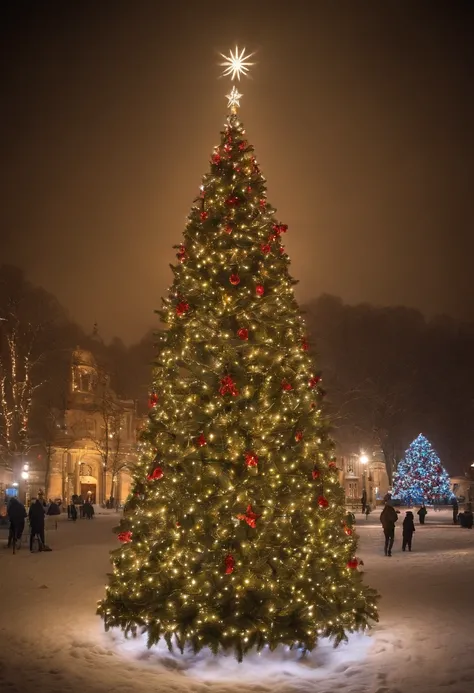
(96, 445)
(359, 471)
(463, 488)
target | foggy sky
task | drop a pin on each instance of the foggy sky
(361, 114)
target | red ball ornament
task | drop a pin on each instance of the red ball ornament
(251, 459)
(348, 531)
(285, 385)
(243, 334)
(304, 344)
(243, 145)
(352, 564)
(228, 229)
(315, 473)
(323, 502)
(216, 158)
(249, 188)
(157, 473)
(229, 563)
(201, 440)
(152, 400)
(265, 248)
(314, 380)
(332, 465)
(125, 537)
(234, 279)
(259, 289)
(282, 250)
(298, 436)
(263, 202)
(232, 201)
(204, 216)
(181, 254)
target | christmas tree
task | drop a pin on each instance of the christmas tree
(236, 533)
(420, 477)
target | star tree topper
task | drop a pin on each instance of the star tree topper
(236, 64)
(233, 99)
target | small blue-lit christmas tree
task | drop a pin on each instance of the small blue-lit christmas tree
(420, 477)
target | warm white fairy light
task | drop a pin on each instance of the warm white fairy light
(236, 64)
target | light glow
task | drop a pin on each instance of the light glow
(236, 64)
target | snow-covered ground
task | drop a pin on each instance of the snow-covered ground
(51, 639)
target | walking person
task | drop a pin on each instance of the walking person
(422, 513)
(455, 510)
(363, 501)
(88, 510)
(408, 530)
(36, 517)
(388, 517)
(16, 514)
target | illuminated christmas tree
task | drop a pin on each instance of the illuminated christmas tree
(236, 533)
(420, 477)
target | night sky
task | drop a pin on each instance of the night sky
(361, 114)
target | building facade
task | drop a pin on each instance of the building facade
(359, 471)
(462, 488)
(96, 446)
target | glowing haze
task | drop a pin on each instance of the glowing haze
(361, 118)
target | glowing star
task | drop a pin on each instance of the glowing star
(236, 64)
(233, 98)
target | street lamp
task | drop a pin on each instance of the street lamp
(25, 475)
(363, 459)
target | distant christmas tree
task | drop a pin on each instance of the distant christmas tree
(236, 534)
(420, 477)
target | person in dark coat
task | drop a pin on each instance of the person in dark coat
(36, 517)
(388, 517)
(455, 510)
(88, 510)
(73, 512)
(53, 509)
(363, 501)
(408, 529)
(422, 513)
(16, 514)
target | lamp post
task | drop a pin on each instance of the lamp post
(363, 459)
(25, 475)
(366, 495)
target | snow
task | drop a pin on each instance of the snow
(50, 636)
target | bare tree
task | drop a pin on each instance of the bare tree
(110, 439)
(19, 359)
(54, 438)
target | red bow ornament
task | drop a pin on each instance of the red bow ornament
(228, 387)
(250, 517)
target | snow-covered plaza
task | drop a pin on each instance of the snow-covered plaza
(51, 639)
